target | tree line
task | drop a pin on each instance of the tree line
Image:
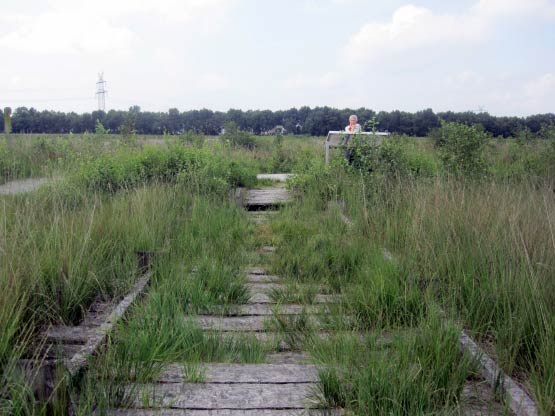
(304, 120)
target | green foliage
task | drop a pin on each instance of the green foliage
(372, 125)
(100, 129)
(236, 137)
(127, 129)
(461, 149)
(547, 132)
(384, 298)
(425, 375)
(396, 156)
(192, 139)
(196, 168)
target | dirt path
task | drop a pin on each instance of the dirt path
(22, 186)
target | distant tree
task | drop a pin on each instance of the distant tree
(174, 123)
(424, 121)
(304, 120)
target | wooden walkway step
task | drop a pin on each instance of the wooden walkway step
(264, 309)
(243, 373)
(226, 412)
(260, 217)
(277, 177)
(216, 396)
(262, 278)
(257, 199)
(241, 323)
(288, 358)
(263, 298)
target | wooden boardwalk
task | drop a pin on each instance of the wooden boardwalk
(285, 384)
(277, 177)
(262, 199)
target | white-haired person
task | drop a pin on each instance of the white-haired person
(353, 128)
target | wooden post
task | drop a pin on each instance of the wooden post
(7, 120)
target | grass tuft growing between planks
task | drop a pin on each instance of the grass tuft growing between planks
(417, 373)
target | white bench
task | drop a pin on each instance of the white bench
(340, 139)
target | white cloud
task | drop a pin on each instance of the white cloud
(413, 27)
(178, 10)
(519, 8)
(66, 32)
(211, 82)
(465, 79)
(318, 81)
(70, 26)
(541, 87)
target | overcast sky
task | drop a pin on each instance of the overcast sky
(492, 55)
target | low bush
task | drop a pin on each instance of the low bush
(461, 149)
(177, 163)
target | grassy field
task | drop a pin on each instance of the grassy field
(471, 230)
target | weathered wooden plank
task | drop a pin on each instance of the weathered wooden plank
(235, 323)
(265, 299)
(267, 249)
(255, 270)
(264, 287)
(242, 323)
(59, 351)
(267, 196)
(70, 334)
(225, 412)
(263, 309)
(223, 396)
(263, 337)
(260, 217)
(260, 298)
(288, 358)
(519, 401)
(262, 278)
(237, 195)
(278, 177)
(244, 373)
(80, 359)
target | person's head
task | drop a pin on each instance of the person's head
(353, 120)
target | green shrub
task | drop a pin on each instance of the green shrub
(238, 138)
(393, 157)
(176, 163)
(461, 149)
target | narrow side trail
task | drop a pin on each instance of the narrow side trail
(23, 186)
(285, 384)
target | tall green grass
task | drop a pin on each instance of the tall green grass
(77, 240)
(202, 269)
(482, 249)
